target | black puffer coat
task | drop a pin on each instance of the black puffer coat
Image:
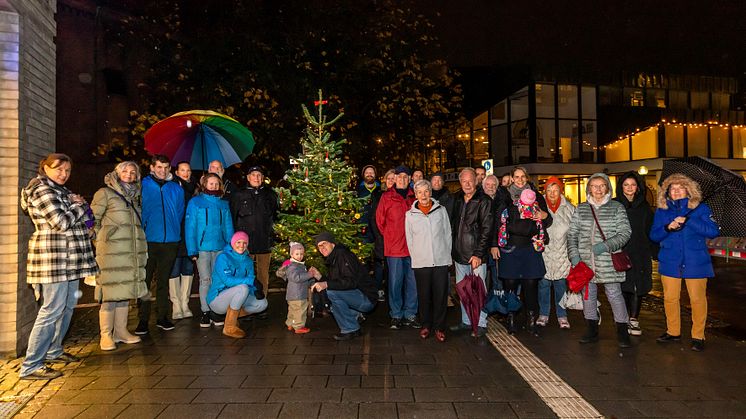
(640, 248)
(254, 212)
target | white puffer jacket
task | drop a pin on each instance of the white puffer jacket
(555, 254)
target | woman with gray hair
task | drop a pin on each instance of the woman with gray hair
(428, 233)
(599, 227)
(121, 252)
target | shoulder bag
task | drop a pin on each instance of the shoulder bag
(620, 259)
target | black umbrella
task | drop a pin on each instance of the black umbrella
(723, 190)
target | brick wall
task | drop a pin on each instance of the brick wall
(27, 129)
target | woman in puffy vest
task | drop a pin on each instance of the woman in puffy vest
(681, 225)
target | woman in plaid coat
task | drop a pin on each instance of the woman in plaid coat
(60, 253)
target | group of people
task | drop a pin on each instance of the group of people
(158, 227)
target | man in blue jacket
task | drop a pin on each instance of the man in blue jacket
(162, 212)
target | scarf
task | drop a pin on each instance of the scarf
(425, 208)
(128, 189)
(515, 192)
(554, 206)
(217, 193)
(524, 212)
(297, 261)
(403, 192)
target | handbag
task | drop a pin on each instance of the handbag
(620, 259)
(571, 301)
(580, 275)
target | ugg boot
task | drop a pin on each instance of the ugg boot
(230, 328)
(622, 335)
(106, 321)
(185, 292)
(121, 334)
(531, 325)
(591, 333)
(512, 329)
(174, 294)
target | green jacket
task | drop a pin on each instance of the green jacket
(121, 248)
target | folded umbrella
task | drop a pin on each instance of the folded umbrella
(472, 294)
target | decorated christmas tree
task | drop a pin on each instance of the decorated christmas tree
(319, 197)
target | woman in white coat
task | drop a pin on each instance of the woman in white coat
(555, 254)
(428, 233)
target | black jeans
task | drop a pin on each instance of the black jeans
(161, 257)
(529, 288)
(432, 295)
(634, 303)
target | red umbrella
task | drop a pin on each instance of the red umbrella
(473, 295)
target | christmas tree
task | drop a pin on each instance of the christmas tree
(319, 198)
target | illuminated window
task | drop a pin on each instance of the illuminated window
(589, 102)
(655, 98)
(739, 142)
(568, 101)
(719, 142)
(519, 104)
(634, 97)
(645, 144)
(544, 101)
(674, 141)
(618, 151)
(697, 141)
(499, 113)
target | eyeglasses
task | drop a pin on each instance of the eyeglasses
(597, 187)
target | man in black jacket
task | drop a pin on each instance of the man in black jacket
(348, 285)
(472, 225)
(254, 210)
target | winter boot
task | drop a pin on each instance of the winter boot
(231, 325)
(174, 294)
(531, 325)
(121, 334)
(106, 321)
(184, 293)
(591, 333)
(512, 329)
(622, 335)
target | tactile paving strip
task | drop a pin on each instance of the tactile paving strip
(564, 401)
(10, 405)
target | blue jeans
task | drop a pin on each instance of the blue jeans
(50, 327)
(461, 272)
(346, 304)
(402, 288)
(236, 298)
(183, 265)
(545, 291)
(205, 263)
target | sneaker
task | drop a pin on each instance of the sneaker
(698, 345)
(395, 324)
(412, 322)
(43, 373)
(424, 332)
(563, 323)
(381, 296)
(142, 328)
(165, 324)
(347, 336)
(64, 357)
(440, 336)
(460, 326)
(542, 321)
(204, 321)
(481, 331)
(302, 331)
(216, 319)
(634, 327)
(665, 338)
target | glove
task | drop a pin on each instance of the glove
(575, 260)
(599, 248)
(259, 291)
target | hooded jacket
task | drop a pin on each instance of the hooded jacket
(207, 225)
(683, 253)
(254, 212)
(59, 250)
(390, 216)
(640, 248)
(555, 252)
(121, 247)
(162, 209)
(231, 269)
(583, 234)
(428, 236)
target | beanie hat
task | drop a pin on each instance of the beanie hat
(239, 235)
(324, 236)
(296, 245)
(556, 181)
(402, 169)
(528, 197)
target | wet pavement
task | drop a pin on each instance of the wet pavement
(194, 372)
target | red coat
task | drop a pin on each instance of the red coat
(390, 216)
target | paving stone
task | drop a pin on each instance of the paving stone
(386, 381)
(665, 408)
(189, 370)
(299, 410)
(282, 359)
(196, 411)
(232, 395)
(440, 369)
(62, 412)
(158, 395)
(532, 409)
(370, 369)
(75, 383)
(142, 359)
(233, 359)
(421, 381)
(509, 393)
(63, 396)
(100, 411)
(176, 381)
(616, 408)
(318, 359)
(295, 395)
(361, 359)
(473, 394)
(142, 411)
(338, 410)
(363, 395)
(225, 381)
(343, 381)
(124, 370)
(252, 410)
(97, 396)
(484, 410)
(142, 382)
(312, 381)
(170, 359)
(425, 359)
(376, 410)
(267, 381)
(426, 410)
(201, 359)
(330, 369)
(471, 380)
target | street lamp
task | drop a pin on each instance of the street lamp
(642, 170)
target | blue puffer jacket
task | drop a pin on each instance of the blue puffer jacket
(208, 225)
(162, 209)
(683, 253)
(231, 269)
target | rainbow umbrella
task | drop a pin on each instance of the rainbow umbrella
(200, 137)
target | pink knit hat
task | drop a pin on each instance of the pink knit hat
(239, 235)
(528, 197)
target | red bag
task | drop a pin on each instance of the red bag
(620, 259)
(580, 275)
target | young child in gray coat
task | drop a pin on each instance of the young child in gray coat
(298, 283)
